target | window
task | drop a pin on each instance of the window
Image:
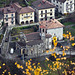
(50, 17)
(40, 30)
(50, 13)
(12, 22)
(43, 30)
(12, 18)
(71, 2)
(41, 12)
(31, 16)
(22, 14)
(26, 14)
(60, 7)
(53, 0)
(57, 6)
(41, 15)
(46, 30)
(6, 19)
(11, 14)
(45, 11)
(6, 15)
(60, 3)
(50, 9)
(22, 18)
(41, 19)
(31, 13)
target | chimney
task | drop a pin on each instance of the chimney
(3, 10)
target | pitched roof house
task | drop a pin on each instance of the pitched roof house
(44, 10)
(8, 15)
(25, 15)
(53, 27)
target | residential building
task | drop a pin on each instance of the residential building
(64, 6)
(44, 10)
(53, 27)
(8, 15)
(24, 15)
(1, 19)
(34, 44)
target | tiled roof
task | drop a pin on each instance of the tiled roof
(22, 10)
(42, 4)
(22, 43)
(53, 23)
(7, 10)
(16, 6)
(34, 42)
(26, 10)
(33, 36)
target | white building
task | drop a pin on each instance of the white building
(64, 6)
(52, 27)
(44, 10)
(1, 20)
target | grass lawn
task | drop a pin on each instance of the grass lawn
(68, 23)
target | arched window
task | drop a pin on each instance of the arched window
(43, 30)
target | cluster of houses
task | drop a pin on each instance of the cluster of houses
(38, 42)
(42, 11)
(39, 11)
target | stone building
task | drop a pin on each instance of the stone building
(44, 10)
(34, 45)
(53, 27)
(64, 6)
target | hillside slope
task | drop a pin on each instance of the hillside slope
(21, 2)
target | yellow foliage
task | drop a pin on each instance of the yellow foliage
(37, 71)
(3, 64)
(47, 59)
(73, 44)
(0, 67)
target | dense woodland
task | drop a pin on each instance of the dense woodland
(8, 2)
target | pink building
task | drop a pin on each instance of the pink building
(8, 15)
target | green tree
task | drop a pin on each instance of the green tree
(15, 31)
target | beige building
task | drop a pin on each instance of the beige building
(44, 10)
(25, 15)
(8, 15)
(64, 6)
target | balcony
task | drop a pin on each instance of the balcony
(26, 16)
(47, 12)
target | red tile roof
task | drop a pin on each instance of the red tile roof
(42, 4)
(22, 10)
(53, 23)
(7, 10)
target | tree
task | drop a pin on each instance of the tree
(15, 31)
